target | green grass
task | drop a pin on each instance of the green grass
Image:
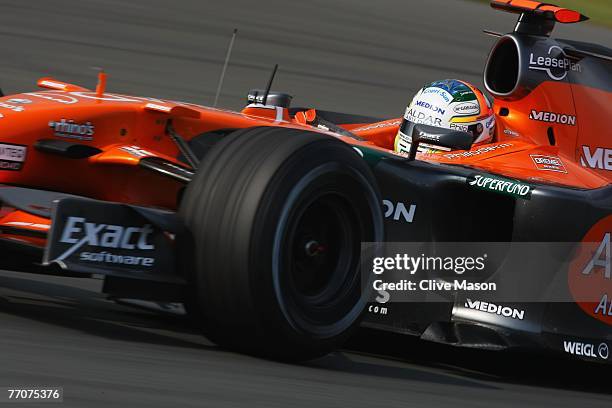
(599, 11)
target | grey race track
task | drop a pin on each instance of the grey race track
(348, 55)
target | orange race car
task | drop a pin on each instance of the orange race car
(266, 223)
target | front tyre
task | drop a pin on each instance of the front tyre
(277, 217)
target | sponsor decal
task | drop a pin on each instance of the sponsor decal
(459, 126)
(603, 351)
(258, 99)
(467, 108)
(13, 107)
(93, 236)
(492, 308)
(600, 158)
(590, 272)
(501, 185)
(423, 118)
(429, 106)
(429, 136)
(72, 130)
(109, 258)
(12, 156)
(578, 348)
(463, 94)
(399, 211)
(548, 163)
(403, 143)
(378, 310)
(600, 259)
(555, 64)
(511, 132)
(19, 101)
(136, 151)
(552, 117)
(80, 233)
(604, 307)
(439, 91)
(479, 151)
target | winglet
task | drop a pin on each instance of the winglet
(52, 83)
(176, 111)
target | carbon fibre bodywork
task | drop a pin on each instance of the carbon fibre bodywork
(443, 202)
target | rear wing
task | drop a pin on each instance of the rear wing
(537, 18)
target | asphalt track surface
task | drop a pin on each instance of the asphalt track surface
(352, 56)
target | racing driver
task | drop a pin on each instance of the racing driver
(451, 104)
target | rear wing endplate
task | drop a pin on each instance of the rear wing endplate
(537, 18)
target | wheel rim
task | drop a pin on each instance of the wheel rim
(322, 241)
(324, 305)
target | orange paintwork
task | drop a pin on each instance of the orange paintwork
(593, 110)
(382, 134)
(118, 121)
(23, 227)
(101, 86)
(590, 287)
(561, 14)
(127, 128)
(518, 137)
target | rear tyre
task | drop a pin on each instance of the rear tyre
(276, 218)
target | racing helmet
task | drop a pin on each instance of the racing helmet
(451, 104)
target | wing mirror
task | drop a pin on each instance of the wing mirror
(446, 138)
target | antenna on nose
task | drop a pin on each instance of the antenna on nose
(227, 58)
(265, 97)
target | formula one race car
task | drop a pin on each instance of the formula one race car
(256, 219)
